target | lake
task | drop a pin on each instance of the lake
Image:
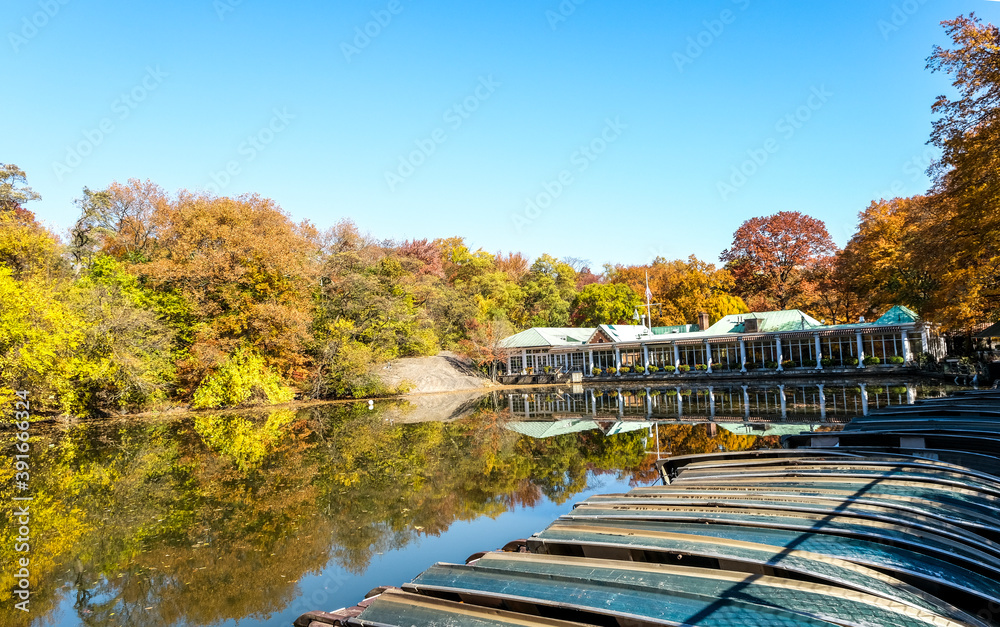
(254, 517)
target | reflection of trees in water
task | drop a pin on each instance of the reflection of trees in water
(217, 516)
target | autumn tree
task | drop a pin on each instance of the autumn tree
(118, 221)
(683, 288)
(14, 190)
(769, 253)
(247, 272)
(888, 260)
(966, 185)
(605, 303)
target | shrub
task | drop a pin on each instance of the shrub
(612, 371)
(851, 361)
(642, 393)
(701, 367)
(669, 369)
(624, 370)
(771, 365)
(896, 359)
(826, 361)
(685, 368)
(808, 363)
(898, 389)
(242, 379)
(596, 372)
(655, 392)
(788, 363)
(871, 361)
(652, 369)
(876, 390)
(640, 370)
(547, 369)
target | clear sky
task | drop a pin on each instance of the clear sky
(601, 130)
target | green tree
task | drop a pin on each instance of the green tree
(605, 303)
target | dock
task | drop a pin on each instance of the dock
(893, 521)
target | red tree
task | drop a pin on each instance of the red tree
(769, 255)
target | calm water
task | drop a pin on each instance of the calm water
(254, 518)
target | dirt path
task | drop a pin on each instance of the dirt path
(444, 372)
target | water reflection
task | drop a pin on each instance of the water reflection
(822, 402)
(256, 517)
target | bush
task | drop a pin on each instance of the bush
(685, 368)
(624, 370)
(871, 361)
(788, 363)
(652, 369)
(670, 369)
(640, 370)
(851, 361)
(898, 389)
(612, 371)
(242, 379)
(547, 369)
(826, 361)
(808, 363)
(896, 359)
(701, 367)
(596, 372)
(771, 365)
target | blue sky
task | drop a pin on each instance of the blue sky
(602, 130)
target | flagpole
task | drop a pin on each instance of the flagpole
(649, 318)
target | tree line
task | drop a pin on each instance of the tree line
(157, 298)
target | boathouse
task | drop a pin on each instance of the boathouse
(770, 340)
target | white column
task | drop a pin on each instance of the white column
(864, 400)
(618, 358)
(711, 402)
(677, 359)
(861, 356)
(819, 353)
(645, 356)
(784, 402)
(680, 404)
(822, 403)
(524, 360)
(508, 363)
(743, 355)
(708, 357)
(510, 403)
(649, 403)
(907, 356)
(781, 357)
(590, 356)
(746, 402)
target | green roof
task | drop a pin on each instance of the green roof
(771, 321)
(548, 336)
(898, 315)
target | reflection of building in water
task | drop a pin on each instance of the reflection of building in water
(773, 340)
(815, 403)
